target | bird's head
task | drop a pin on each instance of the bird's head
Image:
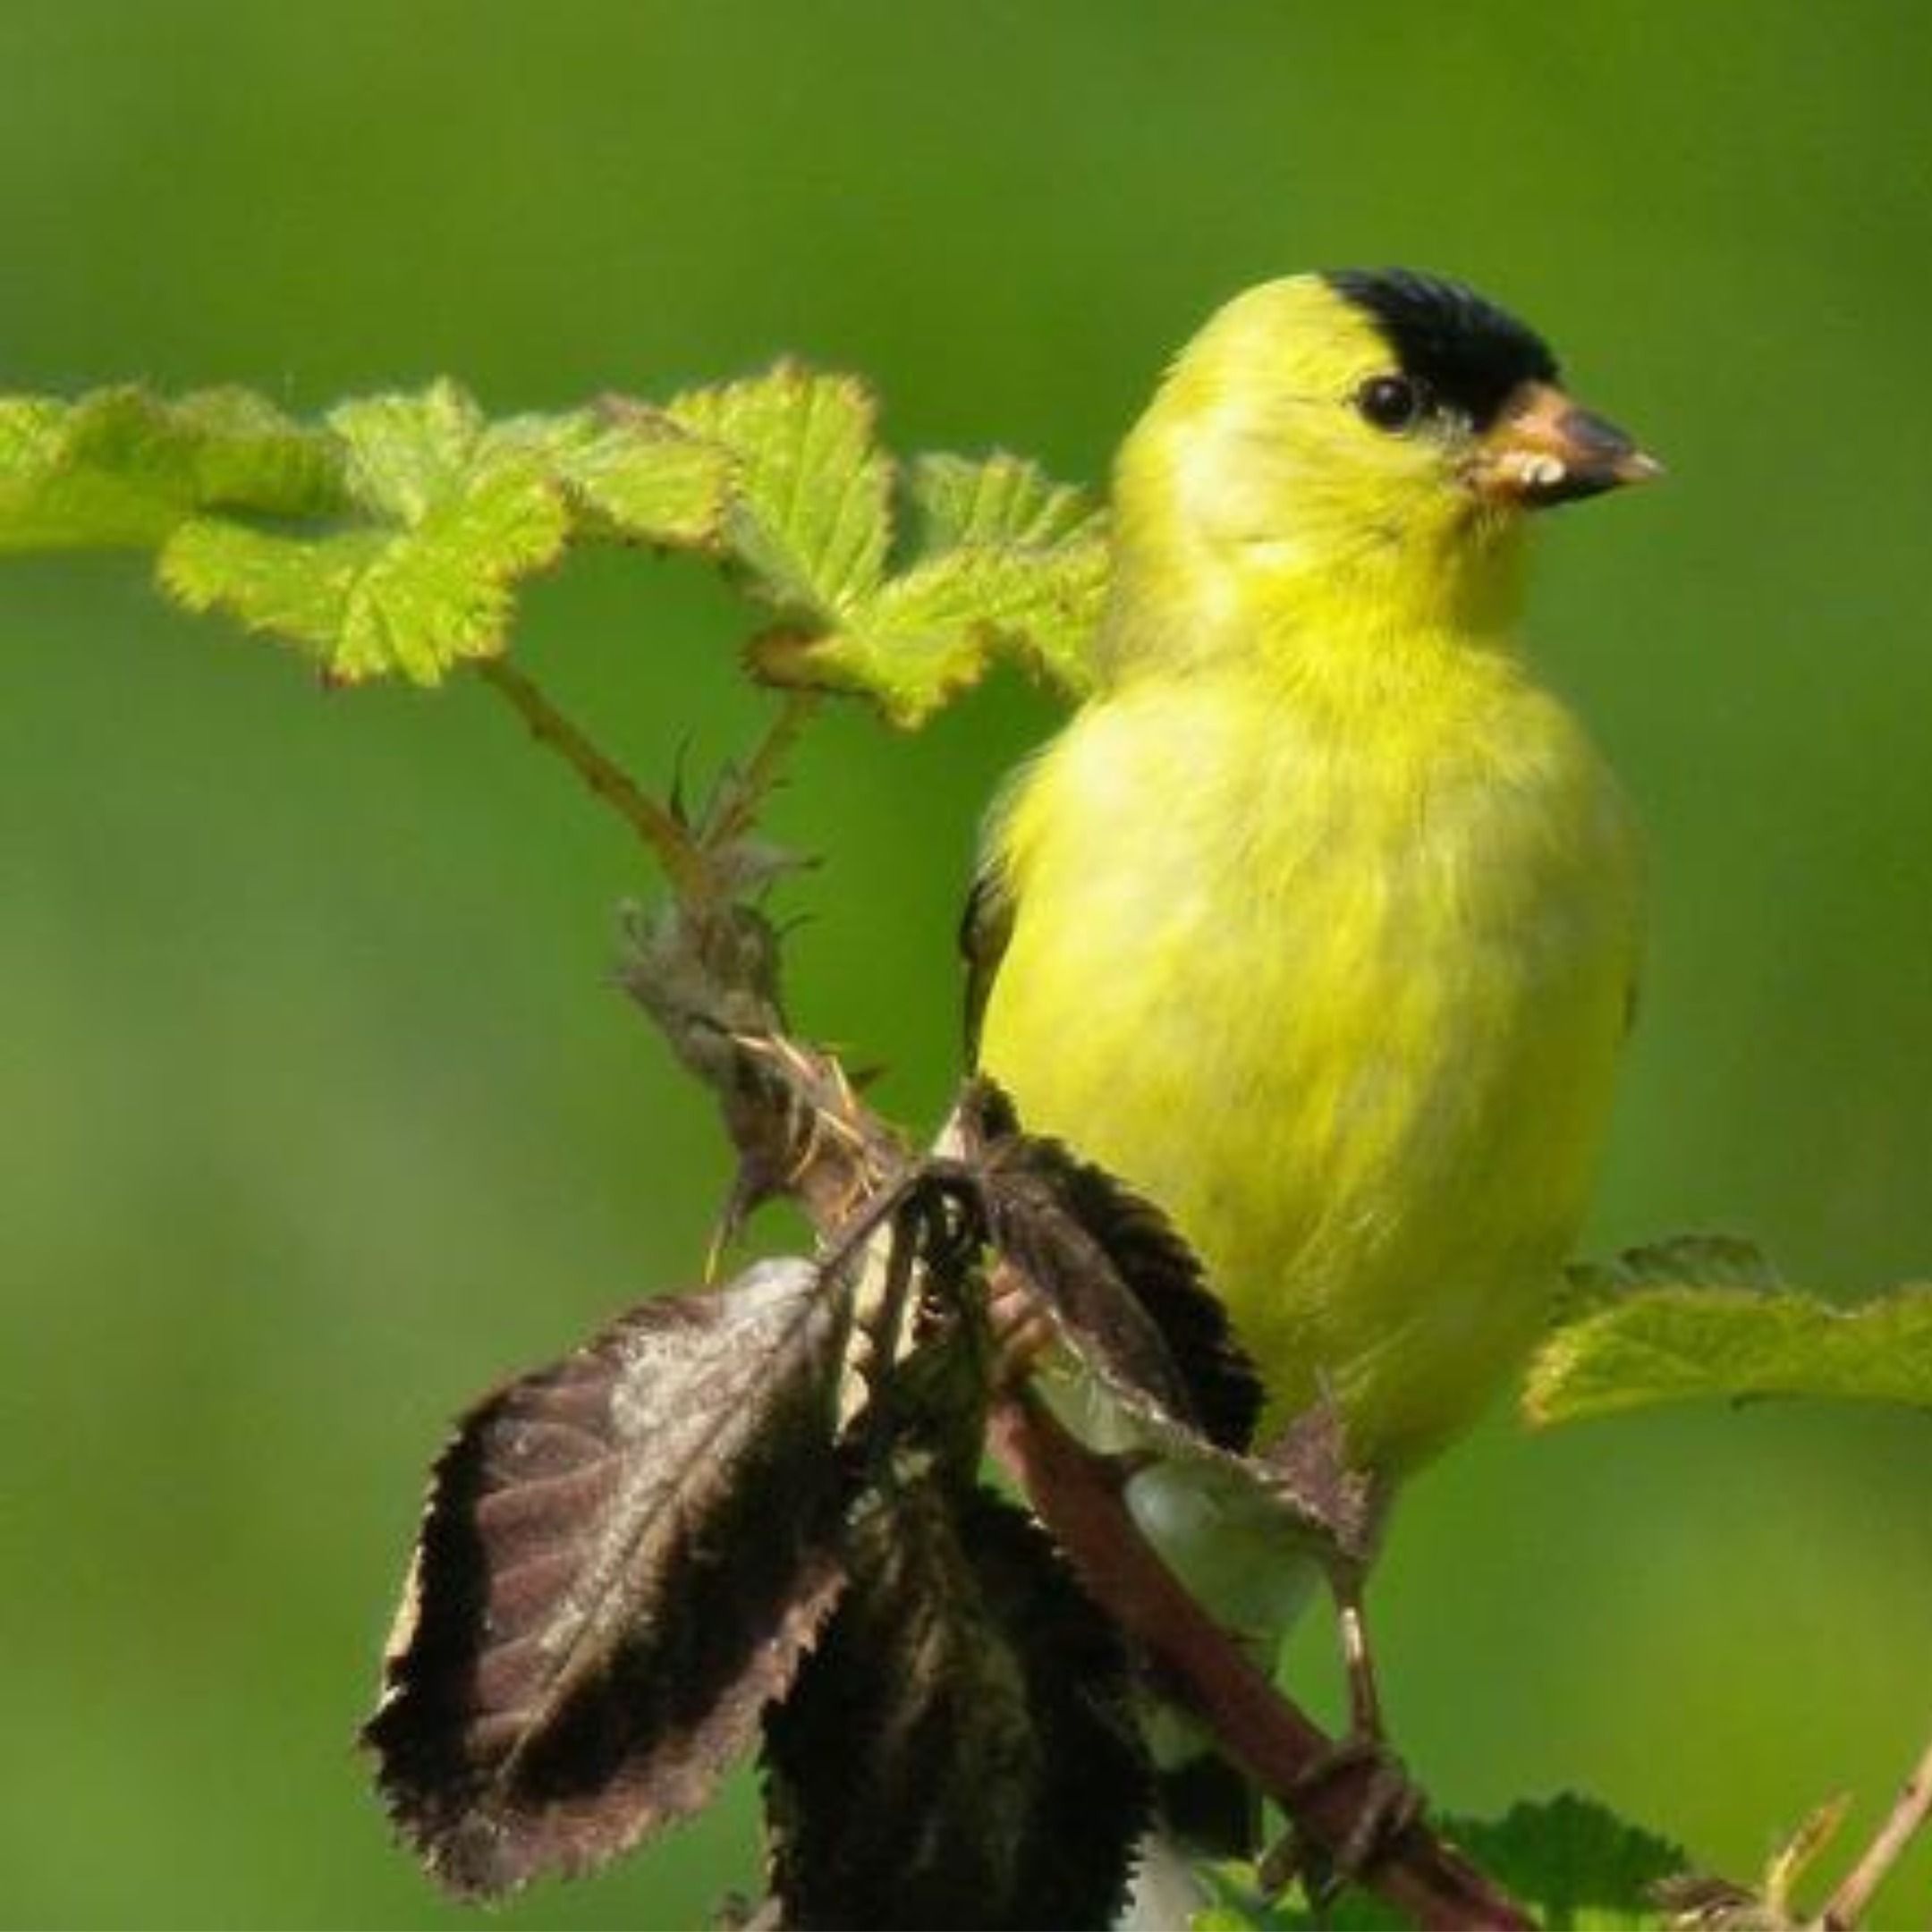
(1352, 452)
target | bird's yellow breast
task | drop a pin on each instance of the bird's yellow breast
(1337, 971)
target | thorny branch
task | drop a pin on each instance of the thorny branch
(707, 974)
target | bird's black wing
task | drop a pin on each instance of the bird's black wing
(984, 928)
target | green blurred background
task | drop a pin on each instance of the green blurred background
(320, 1112)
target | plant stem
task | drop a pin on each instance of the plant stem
(669, 839)
(749, 788)
(1078, 1499)
(1848, 1903)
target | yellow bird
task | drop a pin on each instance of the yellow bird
(1318, 924)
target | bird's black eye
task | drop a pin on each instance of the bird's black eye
(1390, 402)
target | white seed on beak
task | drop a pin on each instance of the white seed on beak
(1536, 469)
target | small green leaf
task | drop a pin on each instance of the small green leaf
(930, 634)
(1010, 562)
(998, 500)
(633, 475)
(458, 512)
(122, 468)
(1573, 1862)
(1675, 1343)
(809, 522)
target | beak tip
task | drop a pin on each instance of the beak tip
(1640, 467)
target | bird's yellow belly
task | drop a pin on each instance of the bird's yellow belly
(1356, 1036)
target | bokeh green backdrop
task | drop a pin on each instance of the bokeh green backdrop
(319, 1113)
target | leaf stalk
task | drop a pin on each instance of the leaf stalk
(669, 841)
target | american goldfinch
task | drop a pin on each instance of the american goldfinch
(1318, 924)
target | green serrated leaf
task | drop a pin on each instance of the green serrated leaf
(633, 476)
(247, 455)
(1675, 1343)
(1578, 1866)
(122, 468)
(458, 512)
(997, 499)
(930, 634)
(425, 517)
(809, 520)
(408, 453)
(1007, 561)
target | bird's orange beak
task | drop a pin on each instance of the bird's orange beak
(1544, 449)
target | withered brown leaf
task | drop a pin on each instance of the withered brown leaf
(959, 1748)
(1126, 1292)
(622, 1561)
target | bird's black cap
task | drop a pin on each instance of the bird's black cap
(1469, 354)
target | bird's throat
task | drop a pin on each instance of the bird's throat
(1303, 603)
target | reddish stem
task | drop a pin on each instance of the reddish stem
(1078, 1497)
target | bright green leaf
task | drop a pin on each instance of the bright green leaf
(122, 468)
(294, 588)
(997, 499)
(1674, 1343)
(929, 633)
(809, 522)
(458, 512)
(408, 453)
(415, 519)
(633, 475)
(1009, 561)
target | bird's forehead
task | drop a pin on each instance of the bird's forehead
(1320, 334)
(1468, 350)
(1293, 336)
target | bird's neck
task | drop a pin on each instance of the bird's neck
(1365, 608)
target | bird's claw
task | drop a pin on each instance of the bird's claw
(1388, 1804)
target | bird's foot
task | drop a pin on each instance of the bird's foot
(1386, 1803)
